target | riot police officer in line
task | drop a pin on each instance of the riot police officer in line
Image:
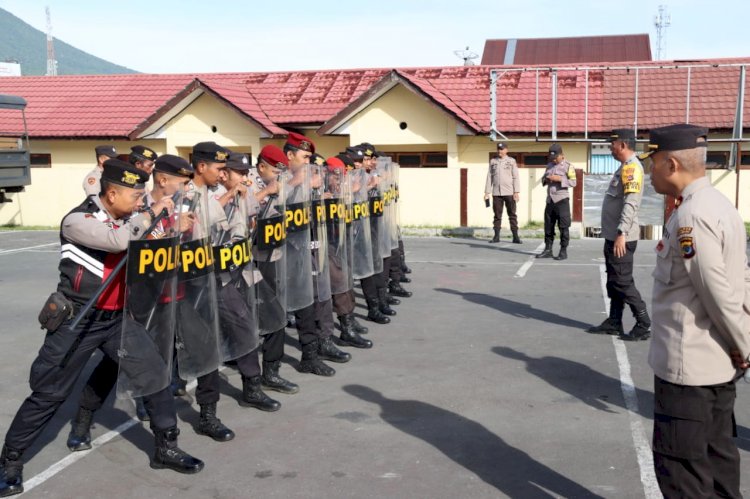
(93, 237)
(143, 158)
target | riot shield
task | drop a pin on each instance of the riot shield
(337, 196)
(147, 342)
(299, 282)
(383, 169)
(359, 214)
(197, 333)
(377, 221)
(235, 281)
(319, 234)
(269, 249)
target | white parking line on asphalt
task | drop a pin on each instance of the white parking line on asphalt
(74, 457)
(19, 250)
(528, 263)
(640, 440)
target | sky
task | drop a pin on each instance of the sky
(170, 36)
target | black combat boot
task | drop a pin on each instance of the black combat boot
(328, 351)
(168, 456)
(349, 336)
(612, 324)
(516, 239)
(310, 362)
(179, 386)
(405, 269)
(396, 289)
(140, 410)
(496, 239)
(356, 326)
(211, 426)
(404, 279)
(641, 330)
(390, 300)
(383, 305)
(375, 315)
(547, 253)
(11, 471)
(272, 381)
(563, 255)
(80, 431)
(253, 396)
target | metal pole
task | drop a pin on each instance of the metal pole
(586, 109)
(493, 104)
(687, 105)
(635, 118)
(537, 104)
(554, 105)
(737, 167)
(739, 111)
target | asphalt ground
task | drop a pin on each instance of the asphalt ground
(484, 385)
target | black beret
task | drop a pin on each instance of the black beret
(211, 152)
(141, 153)
(173, 165)
(675, 138)
(555, 149)
(368, 150)
(622, 134)
(502, 145)
(239, 162)
(347, 160)
(356, 153)
(122, 173)
(317, 159)
(106, 150)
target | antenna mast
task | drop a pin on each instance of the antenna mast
(467, 55)
(662, 21)
(51, 62)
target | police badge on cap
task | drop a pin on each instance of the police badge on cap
(238, 162)
(299, 141)
(142, 153)
(675, 138)
(210, 152)
(108, 151)
(122, 173)
(173, 165)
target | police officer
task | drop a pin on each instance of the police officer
(265, 186)
(93, 238)
(620, 231)
(504, 185)
(142, 158)
(316, 342)
(701, 327)
(91, 182)
(558, 177)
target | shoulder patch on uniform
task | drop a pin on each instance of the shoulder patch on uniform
(89, 215)
(683, 231)
(91, 180)
(687, 247)
(632, 179)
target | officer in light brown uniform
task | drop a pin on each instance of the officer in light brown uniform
(558, 178)
(91, 184)
(504, 185)
(701, 325)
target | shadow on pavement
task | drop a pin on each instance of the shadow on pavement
(516, 309)
(514, 248)
(471, 445)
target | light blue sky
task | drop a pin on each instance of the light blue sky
(170, 36)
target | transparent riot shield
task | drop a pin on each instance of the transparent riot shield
(147, 343)
(395, 169)
(197, 333)
(319, 235)
(383, 170)
(362, 259)
(377, 221)
(299, 282)
(235, 281)
(269, 249)
(337, 196)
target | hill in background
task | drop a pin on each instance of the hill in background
(20, 42)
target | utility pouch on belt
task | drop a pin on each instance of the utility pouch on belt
(57, 309)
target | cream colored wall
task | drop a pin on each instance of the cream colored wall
(194, 124)
(726, 182)
(430, 196)
(55, 191)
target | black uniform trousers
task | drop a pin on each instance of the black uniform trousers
(498, 202)
(370, 289)
(344, 303)
(395, 271)
(557, 214)
(621, 288)
(305, 322)
(272, 344)
(51, 384)
(694, 450)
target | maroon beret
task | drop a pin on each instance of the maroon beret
(299, 141)
(273, 156)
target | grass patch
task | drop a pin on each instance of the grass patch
(6, 227)
(533, 224)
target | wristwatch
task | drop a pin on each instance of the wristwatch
(621, 233)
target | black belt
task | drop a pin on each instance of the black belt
(98, 315)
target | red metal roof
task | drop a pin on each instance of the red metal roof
(573, 50)
(123, 105)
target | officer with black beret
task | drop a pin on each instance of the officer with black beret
(142, 158)
(91, 181)
(93, 236)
